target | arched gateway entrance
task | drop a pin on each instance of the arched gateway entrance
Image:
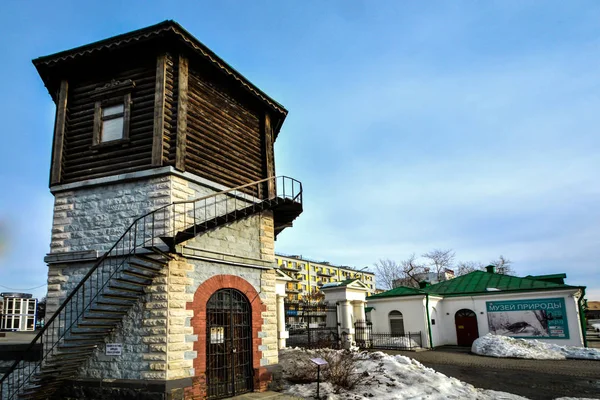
(232, 306)
(228, 344)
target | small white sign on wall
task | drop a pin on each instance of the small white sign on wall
(113, 349)
(217, 335)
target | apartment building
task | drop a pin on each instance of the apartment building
(18, 312)
(310, 275)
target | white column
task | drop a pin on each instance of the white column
(359, 310)
(282, 333)
(347, 327)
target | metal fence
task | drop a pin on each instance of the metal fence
(367, 339)
(311, 325)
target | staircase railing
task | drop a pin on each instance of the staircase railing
(145, 231)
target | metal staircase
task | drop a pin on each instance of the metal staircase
(98, 303)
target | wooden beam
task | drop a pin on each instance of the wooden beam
(269, 158)
(182, 110)
(59, 134)
(159, 111)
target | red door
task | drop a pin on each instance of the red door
(466, 327)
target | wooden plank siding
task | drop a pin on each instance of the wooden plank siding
(171, 112)
(158, 140)
(224, 137)
(59, 134)
(210, 129)
(182, 110)
(268, 155)
(82, 161)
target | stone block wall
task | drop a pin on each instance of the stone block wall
(93, 218)
(160, 340)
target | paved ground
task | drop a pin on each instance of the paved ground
(265, 396)
(17, 337)
(534, 379)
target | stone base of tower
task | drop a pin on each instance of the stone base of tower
(166, 338)
(123, 389)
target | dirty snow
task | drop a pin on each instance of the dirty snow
(573, 398)
(400, 342)
(383, 377)
(504, 346)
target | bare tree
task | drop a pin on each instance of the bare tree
(313, 298)
(41, 310)
(440, 260)
(388, 271)
(503, 265)
(466, 267)
(410, 270)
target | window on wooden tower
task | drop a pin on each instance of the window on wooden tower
(112, 123)
(111, 112)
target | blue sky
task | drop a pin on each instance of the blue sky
(413, 125)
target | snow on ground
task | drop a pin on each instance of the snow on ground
(596, 327)
(381, 377)
(400, 342)
(573, 398)
(504, 346)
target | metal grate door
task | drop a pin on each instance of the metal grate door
(228, 344)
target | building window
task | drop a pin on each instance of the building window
(112, 112)
(396, 323)
(111, 120)
(112, 123)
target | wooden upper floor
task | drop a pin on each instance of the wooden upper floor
(157, 97)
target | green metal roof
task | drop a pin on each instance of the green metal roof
(399, 291)
(554, 278)
(339, 284)
(477, 282)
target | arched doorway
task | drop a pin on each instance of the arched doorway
(466, 327)
(396, 323)
(228, 344)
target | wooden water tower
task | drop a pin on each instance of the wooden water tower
(161, 265)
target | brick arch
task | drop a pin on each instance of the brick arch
(198, 322)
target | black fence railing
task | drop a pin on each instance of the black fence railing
(312, 326)
(367, 339)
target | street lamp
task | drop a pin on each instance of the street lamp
(361, 270)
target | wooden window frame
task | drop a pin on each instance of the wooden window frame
(125, 100)
(111, 94)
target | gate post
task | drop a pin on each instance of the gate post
(350, 296)
(280, 282)
(282, 334)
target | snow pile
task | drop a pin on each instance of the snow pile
(380, 376)
(504, 346)
(400, 342)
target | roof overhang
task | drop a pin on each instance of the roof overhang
(355, 284)
(282, 276)
(169, 30)
(371, 300)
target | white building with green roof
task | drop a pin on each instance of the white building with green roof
(457, 311)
